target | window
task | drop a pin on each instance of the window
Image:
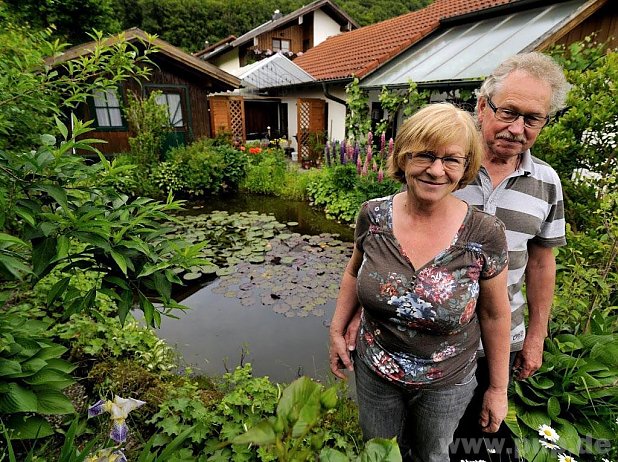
(281, 45)
(107, 109)
(174, 108)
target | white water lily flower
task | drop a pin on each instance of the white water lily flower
(565, 458)
(548, 433)
(548, 445)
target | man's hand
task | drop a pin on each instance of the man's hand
(352, 330)
(493, 411)
(339, 357)
(529, 359)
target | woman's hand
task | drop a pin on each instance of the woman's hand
(493, 411)
(339, 357)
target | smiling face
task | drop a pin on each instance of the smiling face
(430, 184)
(518, 92)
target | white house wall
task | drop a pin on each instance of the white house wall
(229, 62)
(323, 27)
(336, 112)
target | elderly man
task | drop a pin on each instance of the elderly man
(514, 103)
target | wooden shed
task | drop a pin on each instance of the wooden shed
(183, 80)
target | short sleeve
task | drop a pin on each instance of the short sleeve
(362, 226)
(494, 247)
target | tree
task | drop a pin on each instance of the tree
(71, 19)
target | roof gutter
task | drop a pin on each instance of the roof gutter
(438, 84)
(331, 96)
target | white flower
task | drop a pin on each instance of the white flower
(548, 445)
(119, 410)
(549, 433)
(565, 458)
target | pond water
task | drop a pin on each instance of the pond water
(272, 313)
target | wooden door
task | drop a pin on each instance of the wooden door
(311, 130)
(227, 115)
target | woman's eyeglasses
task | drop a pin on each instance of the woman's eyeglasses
(427, 158)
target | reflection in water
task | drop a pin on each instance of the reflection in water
(220, 331)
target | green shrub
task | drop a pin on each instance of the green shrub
(200, 169)
(341, 191)
(266, 171)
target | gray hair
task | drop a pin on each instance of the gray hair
(537, 65)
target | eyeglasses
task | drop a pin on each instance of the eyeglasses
(427, 158)
(509, 116)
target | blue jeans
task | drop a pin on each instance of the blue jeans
(423, 420)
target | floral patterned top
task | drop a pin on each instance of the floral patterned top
(419, 326)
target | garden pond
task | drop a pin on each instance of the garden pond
(268, 297)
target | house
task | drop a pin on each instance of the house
(183, 80)
(252, 114)
(447, 45)
(292, 35)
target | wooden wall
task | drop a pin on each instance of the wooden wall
(197, 115)
(294, 33)
(604, 22)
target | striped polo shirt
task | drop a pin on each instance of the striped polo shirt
(529, 202)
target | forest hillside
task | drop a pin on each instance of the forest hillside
(188, 24)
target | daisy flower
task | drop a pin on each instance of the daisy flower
(548, 445)
(549, 434)
(565, 458)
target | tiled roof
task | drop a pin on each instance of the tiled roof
(361, 51)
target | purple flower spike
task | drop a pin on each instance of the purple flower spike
(380, 175)
(96, 409)
(382, 141)
(119, 432)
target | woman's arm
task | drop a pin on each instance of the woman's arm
(495, 320)
(347, 305)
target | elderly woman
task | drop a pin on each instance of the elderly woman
(429, 272)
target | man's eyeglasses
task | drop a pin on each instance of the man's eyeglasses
(509, 116)
(427, 158)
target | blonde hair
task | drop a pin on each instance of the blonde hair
(434, 126)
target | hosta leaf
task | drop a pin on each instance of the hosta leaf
(8, 367)
(53, 402)
(569, 439)
(553, 407)
(534, 418)
(28, 427)
(17, 399)
(61, 365)
(48, 377)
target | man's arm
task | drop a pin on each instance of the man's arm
(540, 282)
(347, 306)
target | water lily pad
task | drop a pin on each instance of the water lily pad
(292, 223)
(318, 312)
(192, 276)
